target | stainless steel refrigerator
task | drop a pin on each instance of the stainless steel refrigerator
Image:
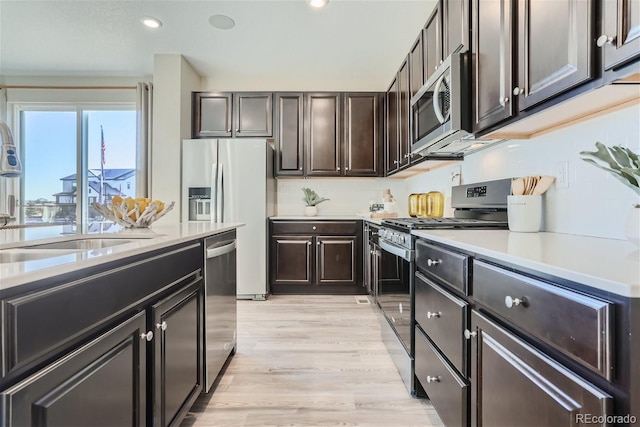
(231, 180)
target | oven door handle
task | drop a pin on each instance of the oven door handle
(405, 254)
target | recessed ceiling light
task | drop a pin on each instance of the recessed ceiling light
(222, 22)
(318, 3)
(151, 22)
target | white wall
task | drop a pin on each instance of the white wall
(594, 204)
(174, 80)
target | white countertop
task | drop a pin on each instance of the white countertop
(606, 264)
(326, 217)
(17, 273)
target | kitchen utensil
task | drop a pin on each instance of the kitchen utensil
(517, 187)
(543, 184)
(533, 180)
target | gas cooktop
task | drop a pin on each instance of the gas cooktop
(430, 223)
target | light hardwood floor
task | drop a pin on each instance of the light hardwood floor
(310, 361)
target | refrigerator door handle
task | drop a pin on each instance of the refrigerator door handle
(220, 193)
(214, 190)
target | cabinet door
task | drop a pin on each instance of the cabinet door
(291, 260)
(621, 36)
(336, 258)
(432, 43)
(361, 130)
(103, 383)
(455, 19)
(404, 138)
(504, 369)
(289, 134)
(253, 114)
(322, 134)
(492, 63)
(550, 65)
(211, 114)
(177, 353)
(392, 150)
(416, 66)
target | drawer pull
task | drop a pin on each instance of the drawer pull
(431, 379)
(148, 336)
(468, 334)
(432, 262)
(431, 315)
(509, 301)
(162, 325)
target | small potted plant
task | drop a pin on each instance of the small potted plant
(624, 165)
(311, 200)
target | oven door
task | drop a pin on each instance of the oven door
(395, 293)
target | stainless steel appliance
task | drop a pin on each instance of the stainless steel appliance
(220, 302)
(235, 181)
(479, 205)
(441, 109)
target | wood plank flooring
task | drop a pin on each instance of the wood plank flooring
(311, 360)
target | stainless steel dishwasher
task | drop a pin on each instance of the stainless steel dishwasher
(219, 304)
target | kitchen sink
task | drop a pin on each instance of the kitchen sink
(84, 243)
(22, 255)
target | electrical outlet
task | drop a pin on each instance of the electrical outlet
(456, 175)
(561, 172)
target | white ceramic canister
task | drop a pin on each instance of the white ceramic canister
(525, 213)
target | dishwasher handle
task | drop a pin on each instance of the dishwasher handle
(216, 252)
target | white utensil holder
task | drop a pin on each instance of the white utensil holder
(525, 213)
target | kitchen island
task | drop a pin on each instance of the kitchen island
(111, 331)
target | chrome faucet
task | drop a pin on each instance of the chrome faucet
(10, 167)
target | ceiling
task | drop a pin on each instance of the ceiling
(348, 40)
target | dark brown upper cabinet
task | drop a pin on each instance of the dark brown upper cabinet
(290, 134)
(455, 26)
(253, 114)
(322, 134)
(362, 126)
(391, 135)
(546, 66)
(416, 66)
(404, 139)
(432, 43)
(226, 114)
(620, 37)
(211, 114)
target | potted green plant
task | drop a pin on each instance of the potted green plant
(624, 165)
(311, 200)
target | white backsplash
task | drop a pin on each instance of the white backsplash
(348, 196)
(593, 204)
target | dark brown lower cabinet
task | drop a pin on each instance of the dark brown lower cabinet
(177, 353)
(322, 257)
(102, 383)
(515, 384)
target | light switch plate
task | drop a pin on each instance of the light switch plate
(561, 172)
(456, 175)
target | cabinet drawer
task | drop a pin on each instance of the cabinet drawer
(443, 317)
(578, 325)
(315, 227)
(446, 390)
(450, 268)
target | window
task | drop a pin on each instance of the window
(74, 156)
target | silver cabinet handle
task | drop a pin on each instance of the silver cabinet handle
(317, 243)
(338, 168)
(221, 250)
(504, 100)
(346, 168)
(605, 39)
(468, 334)
(162, 325)
(237, 130)
(433, 262)
(300, 169)
(148, 336)
(374, 233)
(229, 130)
(517, 91)
(509, 301)
(313, 228)
(433, 315)
(308, 243)
(395, 162)
(431, 379)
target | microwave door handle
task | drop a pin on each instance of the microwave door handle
(436, 103)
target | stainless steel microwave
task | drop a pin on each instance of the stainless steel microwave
(441, 109)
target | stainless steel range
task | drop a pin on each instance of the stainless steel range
(481, 206)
